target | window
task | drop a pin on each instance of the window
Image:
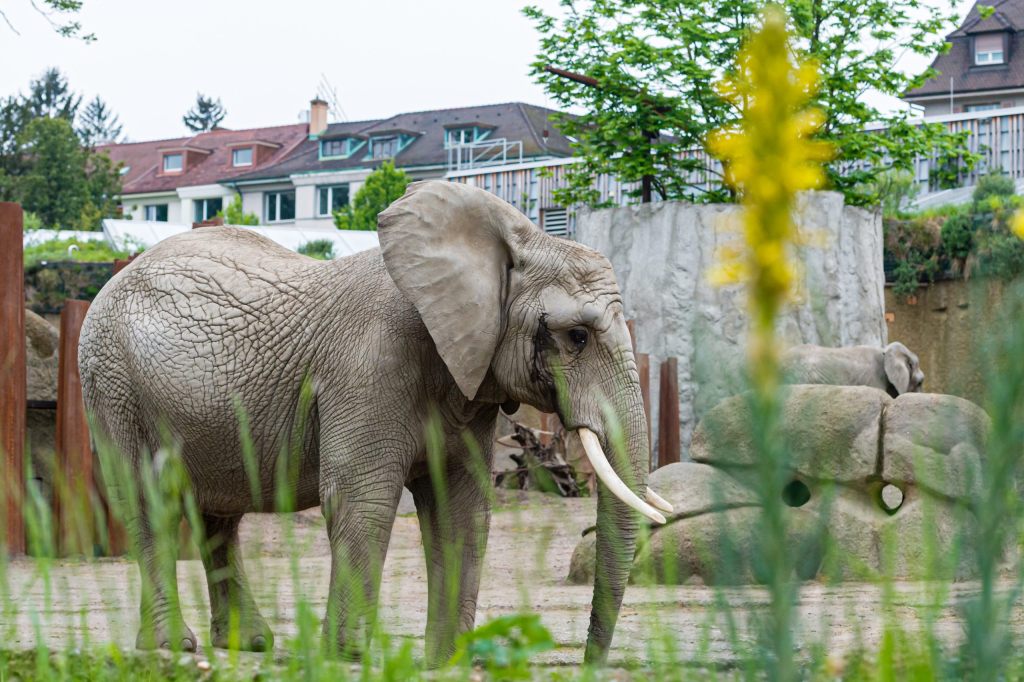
(331, 198)
(241, 157)
(329, 148)
(988, 49)
(205, 209)
(123, 170)
(457, 136)
(982, 107)
(280, 206)
(172, 163)
(156, 212)
(383, 147)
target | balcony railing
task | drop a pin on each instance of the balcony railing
(484, 154)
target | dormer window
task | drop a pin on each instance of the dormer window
(241, 156)
(383, 147)
(988, 49)
(173, 163)
(454, 137)
(339, 148)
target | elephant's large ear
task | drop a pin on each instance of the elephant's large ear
(450, 247)
(897, 366)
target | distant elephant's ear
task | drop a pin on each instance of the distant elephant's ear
(897, 366)
(449, 248)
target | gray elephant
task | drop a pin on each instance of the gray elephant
(893, 369)
(465, 308)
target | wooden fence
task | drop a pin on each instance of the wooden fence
(76, 493)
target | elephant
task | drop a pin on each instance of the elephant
(893, 369)
(466, 308)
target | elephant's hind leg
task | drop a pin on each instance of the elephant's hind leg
(235, 619)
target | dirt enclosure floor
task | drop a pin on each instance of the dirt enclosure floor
(531, 541)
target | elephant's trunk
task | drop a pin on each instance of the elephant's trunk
(617, 525)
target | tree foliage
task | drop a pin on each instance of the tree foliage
(65, 184)
(98, 124)
(206, 114)
(46, 165)
(656, 62)
(60, 15)
(382, 186)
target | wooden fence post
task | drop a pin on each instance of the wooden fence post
(13, 381)
(74, 494)
(668, 413)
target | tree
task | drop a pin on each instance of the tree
(98, 124)
(55, 185)
(381, 187)
(644, 72)
(66, 185)
(206, 114)
(51, 96)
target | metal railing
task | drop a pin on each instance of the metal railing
(484, 154)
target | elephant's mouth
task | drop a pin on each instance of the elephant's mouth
(605, 472)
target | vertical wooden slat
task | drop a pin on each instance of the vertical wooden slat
(13, 381)
(74, 496)
(668, 413)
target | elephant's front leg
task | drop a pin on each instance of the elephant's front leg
(359, 501)
(454, 517)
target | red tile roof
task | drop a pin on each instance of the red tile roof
(144, 160)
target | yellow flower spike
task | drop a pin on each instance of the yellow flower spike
(1017, 224)
(768, 159)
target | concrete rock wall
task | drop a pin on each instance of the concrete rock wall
(662, 254)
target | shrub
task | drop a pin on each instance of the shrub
(234, 215)
(321, 249)
(993, 184)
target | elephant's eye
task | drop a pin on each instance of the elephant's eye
(578, 337)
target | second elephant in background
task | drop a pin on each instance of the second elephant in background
(894, 369)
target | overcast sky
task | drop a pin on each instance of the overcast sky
(265, 59)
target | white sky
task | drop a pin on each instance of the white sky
(264, 59)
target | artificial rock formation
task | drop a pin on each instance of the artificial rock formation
(878, 486)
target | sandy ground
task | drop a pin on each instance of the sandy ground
(531, 541)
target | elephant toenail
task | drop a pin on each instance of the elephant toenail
(188, 645)
(259, 643)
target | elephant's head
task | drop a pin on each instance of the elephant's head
(902, 369)
(518, 315)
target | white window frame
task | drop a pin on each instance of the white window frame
(276, 196)
(330, 197)
(181, 162)
(234, 156)
(988, 57)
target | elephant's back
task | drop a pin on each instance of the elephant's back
(200, 316)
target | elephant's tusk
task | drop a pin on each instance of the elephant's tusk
(604, 471)
(658, 502)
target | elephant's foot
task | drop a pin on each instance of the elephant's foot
(167, 635)
(251, 634)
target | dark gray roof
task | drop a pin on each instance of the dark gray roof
(958, 63)
(513, 121)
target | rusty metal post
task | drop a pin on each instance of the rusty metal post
(121, 264)
(668, 413)
(74, 492)
(13, 381)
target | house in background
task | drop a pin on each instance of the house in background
(181, 180)
(325, 171)
(984, 67)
